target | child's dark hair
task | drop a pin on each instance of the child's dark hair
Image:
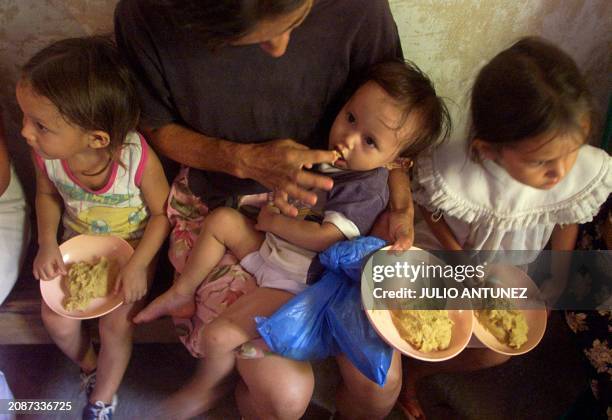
(527, 90)
(415, 93)
(89, 84)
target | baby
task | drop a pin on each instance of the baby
(395, 112)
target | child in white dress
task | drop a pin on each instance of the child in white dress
(526, 176)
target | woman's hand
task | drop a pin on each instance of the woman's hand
(395, 227)
(48, 263)
(279, 165)
(132, 280)
(265, 218)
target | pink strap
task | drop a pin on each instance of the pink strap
(143, 160)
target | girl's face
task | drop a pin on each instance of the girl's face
(541, 161)
(273, 35)
(365, 131)
(44, 128)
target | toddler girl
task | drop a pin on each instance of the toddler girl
(93, 170)
(395, 112)
(527, 176)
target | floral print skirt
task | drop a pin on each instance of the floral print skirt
(224, 285)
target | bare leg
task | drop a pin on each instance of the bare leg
(470, 359)
(360, 398)
(233, 328)
(274, 388)
(73, 340)
(223, 229)
(116, 332)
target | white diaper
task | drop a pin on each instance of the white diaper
(269, 275)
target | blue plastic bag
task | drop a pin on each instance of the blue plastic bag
(327, 319)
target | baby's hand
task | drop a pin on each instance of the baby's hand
(48, 263)
(132, 280)
(265, 219)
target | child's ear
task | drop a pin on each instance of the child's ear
(484, 149)
(99, 139)
(585, 125)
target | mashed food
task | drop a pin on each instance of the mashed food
(85, 282)
(508, 326)
(425, 330)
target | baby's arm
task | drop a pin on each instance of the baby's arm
(48, 262)
(155, 189)
(441, 231)
(310, 235)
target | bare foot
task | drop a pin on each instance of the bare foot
(409, 404)
(170, 303)
(192, 400)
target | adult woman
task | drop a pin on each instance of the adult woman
(225, 92)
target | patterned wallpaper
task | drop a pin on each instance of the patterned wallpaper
(449, 39)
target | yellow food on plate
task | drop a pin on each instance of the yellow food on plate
(425, 330)
(85, 282)
(508, 326)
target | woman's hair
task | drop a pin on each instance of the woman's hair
(89, 84)
(529, 89)
(415, 93)
(219, 22)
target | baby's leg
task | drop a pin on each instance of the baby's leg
(220, 338)
(223, 229)
(73, 340)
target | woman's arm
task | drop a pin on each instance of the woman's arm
(401, 210)
(396, 223)
(306, 234)
(441, 231)
(278, 165)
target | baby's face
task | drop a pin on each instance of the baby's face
(365, 132)
(543, 161)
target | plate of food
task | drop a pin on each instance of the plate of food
(429, 335)
(510, 326)
(432, 335)
(93, 263)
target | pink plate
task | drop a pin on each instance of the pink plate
(463, 321)
(510, 276)
(87, 248)
(461, 333)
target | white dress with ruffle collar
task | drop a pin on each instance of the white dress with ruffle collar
(487, 209)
